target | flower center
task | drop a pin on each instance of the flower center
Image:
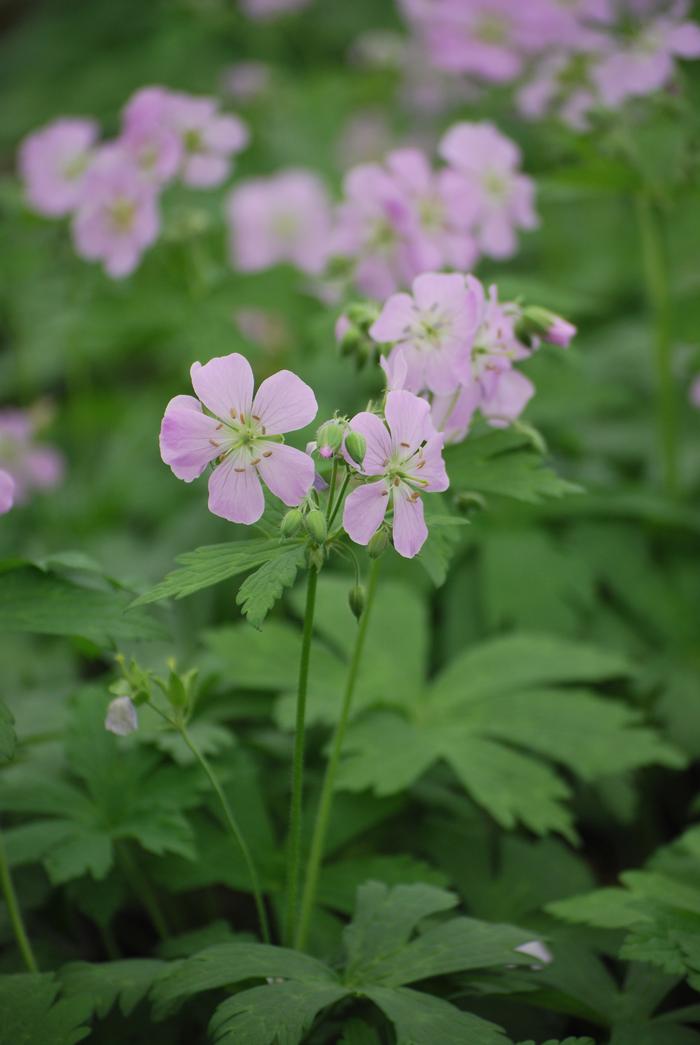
(75, 166)
(491, 29)
(285, 226)
(192, 140)
(496, 185)
(122, 213)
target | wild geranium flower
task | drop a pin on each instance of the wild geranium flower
(405, 455)
(7, 491)
(285, 217)
(209, 139)
(28, 465)
(432, 329)
(504, 196)
(244, 435)
(148, 134)
(118, 216)
(122, 717)
(53, 162)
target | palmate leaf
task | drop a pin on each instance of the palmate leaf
(490, 713)
(504, 463)
(32, 1014)
(126, 982)
(260, 591)
(278, 1012)
(214, 563)
(423, 1019)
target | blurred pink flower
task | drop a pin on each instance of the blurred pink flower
(7, 491)
(53, 162)
(242, 434)
(209, 139)
(245, 81)
(118, 215)
(148, 135)
(282, 218)
(262, 9)
(694, 393)
(28, 465)
(406, 453)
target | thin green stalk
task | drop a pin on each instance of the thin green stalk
(339, 500)
(15, 912)
(235, 831)
(656, 273)
(295, 810)
(318, 840)
(331, 487)
(142, 889)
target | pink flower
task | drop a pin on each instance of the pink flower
(25, 465)
(432, 330)
(122, 717)
(148, 136)
(283, 218)
(209, 140)
(53, 162)
(506, 397)
(490, 163)
(262, 9)
(406, 455)
(242, 434)
(694, 393)
(245, 81)
(7, 491)
(561, 85)
(118, 216)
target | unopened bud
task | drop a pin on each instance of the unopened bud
(315, 522)
(378, 543)
(469, 502)
(538, 322)
(316, 558)
(122, 718)
(329, 438)
(291, 522)
(356, 446)
(356, 600)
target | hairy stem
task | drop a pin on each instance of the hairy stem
(234, 829)
(339, 499)
(318, 840)
(295, 810)
(656, 273)
(15, 912)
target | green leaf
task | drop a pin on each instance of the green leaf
(422, 1019)
(47, 604)
(32, 1014)
(357, 1032)
(261, 590)
(340, 881)
(278, 1012)
(126, 982)
(8, 738)
(504, 463)
(214, 563)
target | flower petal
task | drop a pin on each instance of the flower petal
(284, 403)
(235, 492)
(508, 398)
(395, 319)
(189, 438)
(410, 531)
(432, 469)
(289, 473)
(364, 510)
(408, 417)
(7, 491)
(224, 384)
(378, 443)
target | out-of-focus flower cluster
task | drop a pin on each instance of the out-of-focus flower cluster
(397, 218)
(111, 189)
(26, 466)
(569, 57)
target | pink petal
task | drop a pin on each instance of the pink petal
(410, 531)
(378, 442)
(226, 134)
(433, 471)
(189, 438)
(7, 491)
(235, 492)
(408, 418)
(224, 385)
(684, 40)
(364, 510)
(394, 320)
(288, 473)
(508, 398)
(447, 290)
(205, 170)
(284, 403)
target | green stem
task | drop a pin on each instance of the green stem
(339, 500)
(15, 912)
(656, 273)
(234, 829)
(318, 840)
(141, 888)
(331, 487)
(295, 810)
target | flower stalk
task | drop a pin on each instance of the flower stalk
(15, 912)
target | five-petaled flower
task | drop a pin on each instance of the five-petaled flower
(406, 456)
(244, 435)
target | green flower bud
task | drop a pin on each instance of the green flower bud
(356, 446)
(378, 543)
(356, 600)
(362, 314)
(329, 438)
(316, 558)
(469, 502)
(315, 523)
(291, 522)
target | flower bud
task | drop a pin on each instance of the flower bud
(329, 438)
(316, 558)
(291, 522)
(469, 502)
(315, 522)
(122, 718)
(356, 600)
(356, 446)
(378, 543)
(537, 322)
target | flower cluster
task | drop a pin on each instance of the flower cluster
(111, 189)
(572, 57)
(25, 465)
